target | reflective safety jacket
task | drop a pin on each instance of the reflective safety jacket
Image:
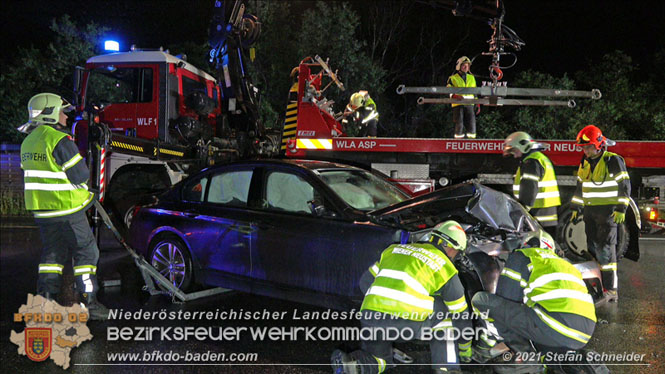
(406, 279)
(366, 112)
(48, 191)
(456, 80)
(606, 184)
(537, 186)
(550, 286)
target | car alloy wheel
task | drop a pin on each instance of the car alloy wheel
(574, 237)
(171, 259)
(129, 215)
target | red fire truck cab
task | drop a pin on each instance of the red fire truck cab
(142, 92)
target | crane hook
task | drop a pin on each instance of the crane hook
(495, 73)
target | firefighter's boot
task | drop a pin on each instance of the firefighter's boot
(96, 310)
(481, 354)
(342, 363)
(611, 296)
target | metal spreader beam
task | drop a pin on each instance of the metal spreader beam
(496, 95)
(498, 101)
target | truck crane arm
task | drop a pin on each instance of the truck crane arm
(231, 33)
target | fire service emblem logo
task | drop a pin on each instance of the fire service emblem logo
(38, 343)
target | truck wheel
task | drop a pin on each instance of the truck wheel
(170, 257)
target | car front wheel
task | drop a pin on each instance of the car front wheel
(572, 235)
(171, 258)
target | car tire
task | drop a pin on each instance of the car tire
(170, 256)
(572, 237)
(128, 216)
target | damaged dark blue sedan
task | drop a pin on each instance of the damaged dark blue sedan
(305, 230)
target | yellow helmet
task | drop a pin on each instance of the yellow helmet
(462, 60)
(357, 100)
(452, 233)
(44, 108)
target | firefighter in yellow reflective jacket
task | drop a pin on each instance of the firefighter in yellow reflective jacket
(55, 177)
(603, 195)
(541, 299)
(410, 290)
(535, 183)
(362, 112)
(463, 114)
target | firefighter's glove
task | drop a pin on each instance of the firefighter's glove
(465, 355)
(477, 109)
(457, 97)
(618, 217)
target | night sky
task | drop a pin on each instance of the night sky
(560, 35)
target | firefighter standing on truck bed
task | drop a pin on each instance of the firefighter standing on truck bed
(55, 177)
(362, 111)
(541, 299)
(463, 114)
(602, 194)
(413, 286)
(535, 183)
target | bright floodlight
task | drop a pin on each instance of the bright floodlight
(112, 45)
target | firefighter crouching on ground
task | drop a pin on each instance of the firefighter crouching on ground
(413, 286)
(541, 299)
(361, 111)
(535, 183)
(602, 194)
(55, 177)
(463, 114)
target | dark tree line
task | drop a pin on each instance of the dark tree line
(373, 47)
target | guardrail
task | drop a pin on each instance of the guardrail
(11, 181)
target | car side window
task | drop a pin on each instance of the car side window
(230, 188)
(195, 189)
(288, 192)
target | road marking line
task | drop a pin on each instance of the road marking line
(654, 239)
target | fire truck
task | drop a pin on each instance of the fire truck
(146, 118)
(311, 130)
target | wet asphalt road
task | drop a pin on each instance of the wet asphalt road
(636, 324)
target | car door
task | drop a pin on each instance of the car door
(220, 230)
(295, 247)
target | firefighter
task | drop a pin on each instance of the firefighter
(55, 178)
(362, 111)
(540, 299)
(535, 183)
(412, 288)
(602, 194)
(463, 114)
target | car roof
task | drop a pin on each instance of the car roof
(305, 164)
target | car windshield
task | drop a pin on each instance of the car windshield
(362, 190)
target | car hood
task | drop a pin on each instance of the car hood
(466, 202)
